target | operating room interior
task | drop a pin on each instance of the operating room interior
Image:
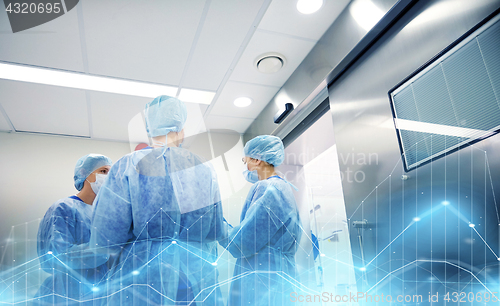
(389, 205)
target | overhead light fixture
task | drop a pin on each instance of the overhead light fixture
(97, 83)
(270, 62)
(309, 6)
(242, 102)
(366, 13)
(83, 81)
(196, 96)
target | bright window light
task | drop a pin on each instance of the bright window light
(83, 81)
(309, 6)
(366, 13)
(196, 96)
(242, 102)
(440, 129)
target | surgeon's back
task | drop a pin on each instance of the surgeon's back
(159, 213)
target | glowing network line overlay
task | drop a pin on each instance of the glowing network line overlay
(9, 277)
(11, 280)
(446, 205)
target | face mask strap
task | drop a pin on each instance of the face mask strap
(88, 177)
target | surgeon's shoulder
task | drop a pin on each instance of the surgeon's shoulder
(274, 183)
(194, 159)
(129, 160)
(134, 157)
(67, 202)
(189, 155)
(65, 206)
(262, 186)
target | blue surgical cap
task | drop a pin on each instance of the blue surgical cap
(88, 164)
(164, 115)
(267, 148)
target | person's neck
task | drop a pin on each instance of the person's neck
(86, 195)
(266, 172)
(169, 140)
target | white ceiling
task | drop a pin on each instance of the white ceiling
(198, 44)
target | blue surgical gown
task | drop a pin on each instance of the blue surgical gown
(63, 236)
(159, 215)
(265, 244)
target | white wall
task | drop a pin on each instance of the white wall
(37, 170)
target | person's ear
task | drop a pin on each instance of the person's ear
(258, 162)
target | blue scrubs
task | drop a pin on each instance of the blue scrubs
(265, 244)
(159, 212)
(65, 232)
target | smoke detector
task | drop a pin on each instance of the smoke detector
(270, 62)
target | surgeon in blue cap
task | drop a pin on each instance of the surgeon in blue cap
(266, 240)
(63, 238)
(160, 213)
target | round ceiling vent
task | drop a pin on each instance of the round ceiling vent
(270, 62)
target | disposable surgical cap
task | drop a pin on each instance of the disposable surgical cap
(164, 115)
(88, 164)
(266, 148)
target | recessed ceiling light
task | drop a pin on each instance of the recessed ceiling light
(309, 6)
(242, 102)
(270, 62)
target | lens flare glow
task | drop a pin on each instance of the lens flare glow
(309, 6)
(366, 13)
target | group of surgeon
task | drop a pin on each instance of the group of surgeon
(145, 230)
